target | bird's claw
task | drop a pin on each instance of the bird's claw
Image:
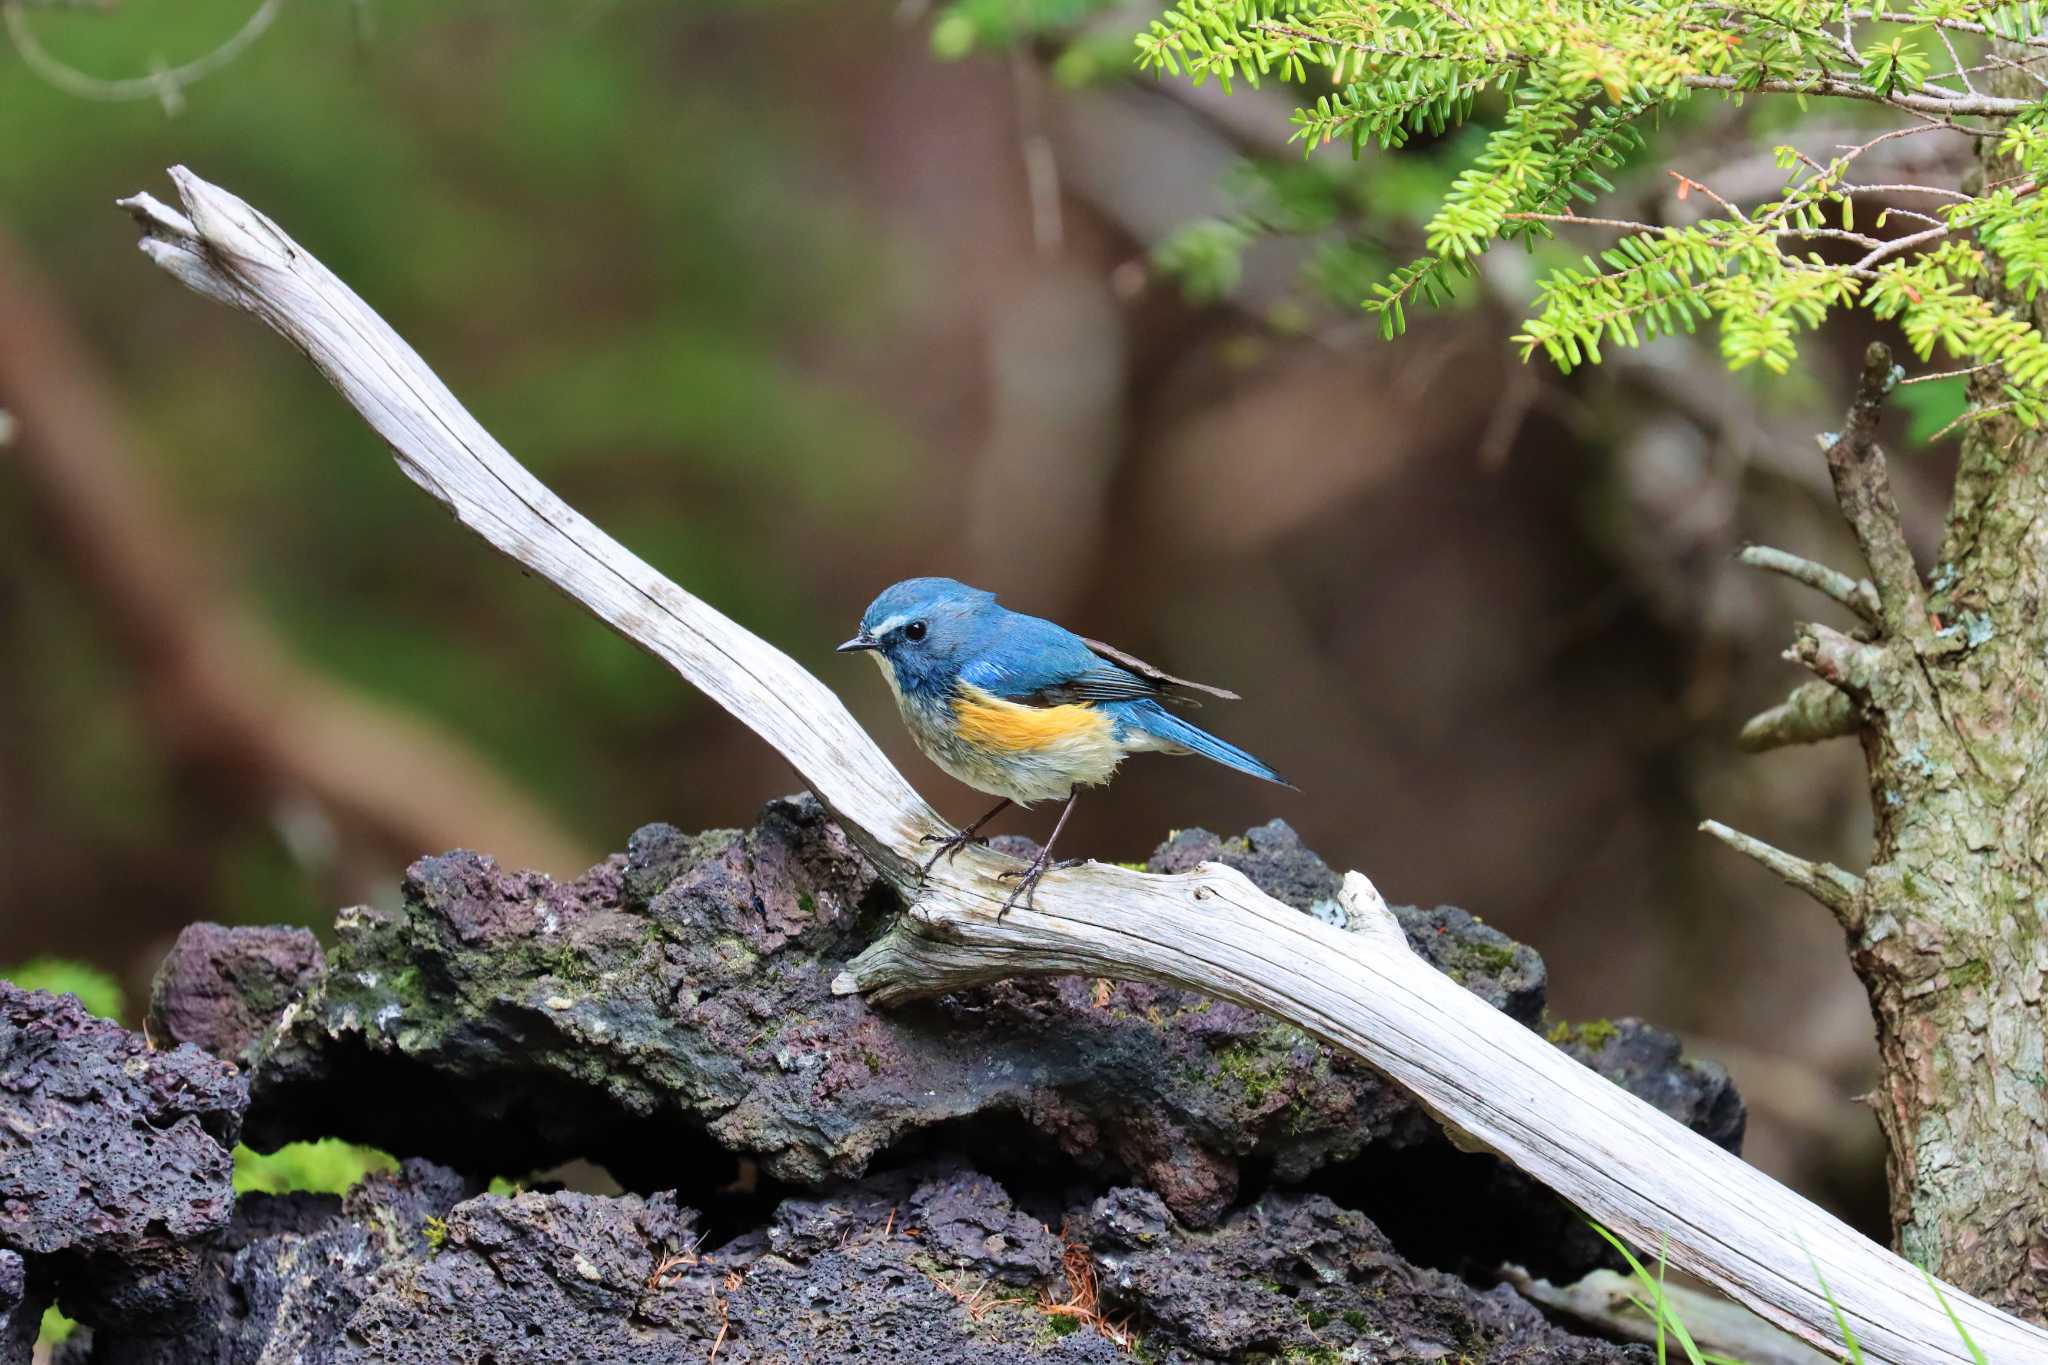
(1027, 879)
(1025, 889)
(1036, 869)
(949, 847)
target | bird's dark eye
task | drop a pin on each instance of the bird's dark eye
(914, 631)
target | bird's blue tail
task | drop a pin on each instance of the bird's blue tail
(1160, 723)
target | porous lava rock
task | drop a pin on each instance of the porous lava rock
(1648, 1062)
(967, 1219)
(1505, 974)
(221, 987)
(926, 1265)
(547, 1279)
(415, 1269)
(676, 999)
(569, 1279)
(855, 1275)
(285, 1279)
(1294, 1277)
(115, 1158)
(21, 1311)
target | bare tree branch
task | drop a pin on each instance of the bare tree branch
(1814, 712)
(1857, 594)
(1841, 892)
(1958, 25)
(1837, 659)
(1638, 1172)
(1863, 490)
(1952, 106)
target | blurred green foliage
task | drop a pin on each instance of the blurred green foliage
(967, 26)
(329, 1166)
(1933, 405)
(621, 255)
(95, 989)
(56, 1327)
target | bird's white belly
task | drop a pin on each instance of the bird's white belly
(1048, 772)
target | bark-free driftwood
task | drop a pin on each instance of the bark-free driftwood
(1492, 1082)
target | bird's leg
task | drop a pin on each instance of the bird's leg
(950, 844)
(1031, 875)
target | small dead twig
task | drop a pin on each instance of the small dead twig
(977, 1304)
(733, 1280)
(1857, 594)
(1948, 374)
(1841, 892)
(659, 1279)
(1083, 1302)
(1814, 712)
(1686, 185)
(685, 1259)
(1863, 491)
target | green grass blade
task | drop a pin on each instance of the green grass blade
(1947, 1308)
(1841, 1319)
(1644, 1307)
(1665, 1314)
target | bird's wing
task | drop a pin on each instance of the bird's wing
(1033, 661)
(1157, 679)
(1025, 657)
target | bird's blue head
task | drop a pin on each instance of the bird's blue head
(925, 630)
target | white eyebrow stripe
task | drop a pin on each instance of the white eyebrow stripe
(884, 627)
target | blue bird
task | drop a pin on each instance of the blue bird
(1023, 709)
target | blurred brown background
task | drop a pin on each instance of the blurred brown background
(795, 309)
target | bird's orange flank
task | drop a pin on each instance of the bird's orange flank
(1006, 726)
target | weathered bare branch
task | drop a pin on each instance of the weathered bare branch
(1857, 594)
(1841, 892)
(1641, 1174)
(1863, 490)
(1815, 711)
(1837, 659)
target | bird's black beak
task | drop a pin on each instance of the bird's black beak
(857, 643)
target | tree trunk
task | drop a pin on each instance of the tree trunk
(1947, 934)
(1951, 946)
